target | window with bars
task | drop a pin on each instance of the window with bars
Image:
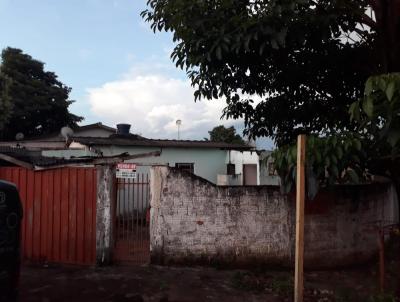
(230, 169)
(189, 167)
(271, 169)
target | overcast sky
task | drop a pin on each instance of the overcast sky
(119, 70)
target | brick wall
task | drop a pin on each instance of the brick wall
(194, 221)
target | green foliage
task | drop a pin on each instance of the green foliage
(333, 159)
(347, 157)
(346, 295)
(226, 135)
(282, 286)
(247, 281)
(378, 112)
(295, 66)
(382, 297)
(297, 56)
(164, 285)
(5, 101)
(32, 100)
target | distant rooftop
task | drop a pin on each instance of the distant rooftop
(108, 136)
(135, 140)
(96, 126)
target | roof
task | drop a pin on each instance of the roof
(34, 157)
(135, 140)
(96, 126)
(34, 160)
(57, 137)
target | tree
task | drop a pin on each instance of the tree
(36, 102)
(307, 60)
(226, 135)
(5, 102)
(350, 156)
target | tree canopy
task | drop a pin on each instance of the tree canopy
(226, 135)
(306, 60)
(351, 156)
(32, 101)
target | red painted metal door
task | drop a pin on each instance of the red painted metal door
(59, 213)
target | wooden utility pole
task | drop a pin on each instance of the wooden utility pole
(300, 195)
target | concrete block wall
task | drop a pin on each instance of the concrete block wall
(194, 221)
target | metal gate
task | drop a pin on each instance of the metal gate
(59, 205)
(132, 244)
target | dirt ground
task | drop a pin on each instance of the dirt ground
(178, 284)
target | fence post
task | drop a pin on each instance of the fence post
(104, 214)
(300, 193)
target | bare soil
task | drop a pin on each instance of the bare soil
(178, 284)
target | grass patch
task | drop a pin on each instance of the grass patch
(346, 295)
(247, 281)
(382, 297)
(283, 286)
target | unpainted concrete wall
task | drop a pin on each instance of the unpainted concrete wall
(194, 221)
(105, 207)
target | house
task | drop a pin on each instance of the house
(56, 141)
(203, 158)
(268, 174)
(76, 213)
(220, 163)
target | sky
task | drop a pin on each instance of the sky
(118, 69)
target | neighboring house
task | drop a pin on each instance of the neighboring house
(268, 174)
(203, 158)
(220, 163)
(243, 168)
(56, 141)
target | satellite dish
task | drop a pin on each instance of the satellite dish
(66, 132)
(19, 136)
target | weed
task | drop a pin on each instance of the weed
(163, 285)
(282, 286)
(382, 298)
(346, 295)
(247, 281)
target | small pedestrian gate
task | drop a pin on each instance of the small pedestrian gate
(132, 238)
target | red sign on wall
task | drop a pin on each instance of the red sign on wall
(126, 170)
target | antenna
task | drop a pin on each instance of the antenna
(178, 123)
(66, 132)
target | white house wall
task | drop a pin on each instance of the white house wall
(239, 159)
(208, 163)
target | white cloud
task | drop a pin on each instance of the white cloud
(152, 101)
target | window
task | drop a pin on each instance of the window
(189, 167)
(271, 169)
(230, 169)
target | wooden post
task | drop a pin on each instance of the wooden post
(300, 194)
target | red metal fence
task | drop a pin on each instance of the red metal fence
(59, 213)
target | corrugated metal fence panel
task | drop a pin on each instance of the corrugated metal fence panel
(59, 213)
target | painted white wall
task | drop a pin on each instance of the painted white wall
(208, 162)
(240, 158)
